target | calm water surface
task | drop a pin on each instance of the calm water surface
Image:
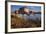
(33, 17)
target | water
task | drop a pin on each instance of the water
(33, 17)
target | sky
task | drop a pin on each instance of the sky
(34, 8)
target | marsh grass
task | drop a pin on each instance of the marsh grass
(17, 22)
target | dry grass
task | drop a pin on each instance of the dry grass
(21, 23)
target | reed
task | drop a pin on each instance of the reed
(17, 22)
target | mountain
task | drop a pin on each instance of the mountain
(21, 11)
